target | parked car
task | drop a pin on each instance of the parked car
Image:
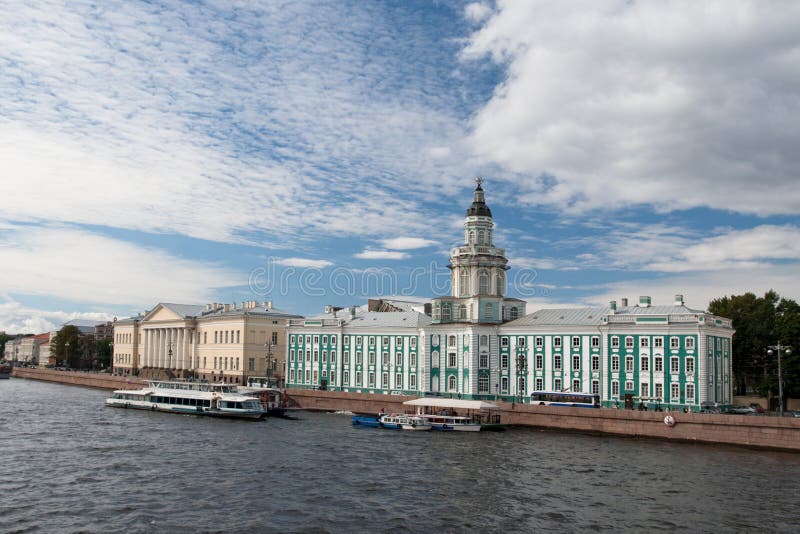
(795, 413)
(757, 407)
(742, 410)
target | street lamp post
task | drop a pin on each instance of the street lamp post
(270, 362)
(113, 369)
(66, 353)
(778, 349)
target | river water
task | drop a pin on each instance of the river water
(69, 464)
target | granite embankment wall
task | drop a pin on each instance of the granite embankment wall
(92, 380)
(767, 432)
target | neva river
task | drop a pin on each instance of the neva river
(71, 465)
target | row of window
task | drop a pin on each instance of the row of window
(123, 358)
(658, 364)
(331, 357)
(398, 340)
(123, 338)
(539, 342)
(233, 336)
(312, 378)
(658, 391)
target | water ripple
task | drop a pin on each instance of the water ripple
(71, 465)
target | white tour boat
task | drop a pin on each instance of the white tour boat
(402, 421)
(195, 398)
(452, 422)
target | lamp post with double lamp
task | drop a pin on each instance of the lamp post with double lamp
(270, 362)
(111, 362)
(778, 349)
(66, 354)
(522, 370)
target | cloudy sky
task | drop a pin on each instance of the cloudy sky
(323, 152)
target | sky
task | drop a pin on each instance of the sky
(312, 153)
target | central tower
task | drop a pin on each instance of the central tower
(478, 273)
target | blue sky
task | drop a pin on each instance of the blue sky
(182, 152)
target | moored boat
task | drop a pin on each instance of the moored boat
(366, 420)
(5, 370)
(400, 421)
(452, 422)
(272, 399)
(194, 398)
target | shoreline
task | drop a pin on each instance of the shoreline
(771, 433)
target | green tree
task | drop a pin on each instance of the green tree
(761, 322)
(68, 346)
(103, 350)
(3, 339)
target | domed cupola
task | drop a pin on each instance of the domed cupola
(479, 207)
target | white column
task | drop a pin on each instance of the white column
(162, 339)
(194, 364)
(181, 351)
(169, 347)
(148, 347)
(185, 348)
(143, 362)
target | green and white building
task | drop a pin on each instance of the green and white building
(479, 344)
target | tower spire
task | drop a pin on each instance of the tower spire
(479, 207)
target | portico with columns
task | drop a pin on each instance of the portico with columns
(218, 342)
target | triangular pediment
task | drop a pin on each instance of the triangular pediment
(162, 312)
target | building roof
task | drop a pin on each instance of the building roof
(479, 207)
(272, 312)
(86, 327)
(442, 402)
(408, 319)
(594, 316)
(183, 310)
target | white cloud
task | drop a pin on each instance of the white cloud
(381, 255)
(741, 249)
(82, 266)
(699, 288)
(143, 117)
(16, 318)
(477, 11)
(675, 104)
(303, 262)
(407, 243)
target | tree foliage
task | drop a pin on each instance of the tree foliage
(103, 352)
(68, 346)
(760, 323)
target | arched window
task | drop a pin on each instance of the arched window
(483, 283)
(445, 312)
(451, 383)
(514, 313)
(471, 237)
(480, 237)
(463, 284)
(462, 312)
(498, 282)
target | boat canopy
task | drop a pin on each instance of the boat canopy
(441, 402)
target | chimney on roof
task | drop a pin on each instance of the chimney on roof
(623, 302)
(644, 301)
(352, 312)
(613, 306)
(678, 300)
